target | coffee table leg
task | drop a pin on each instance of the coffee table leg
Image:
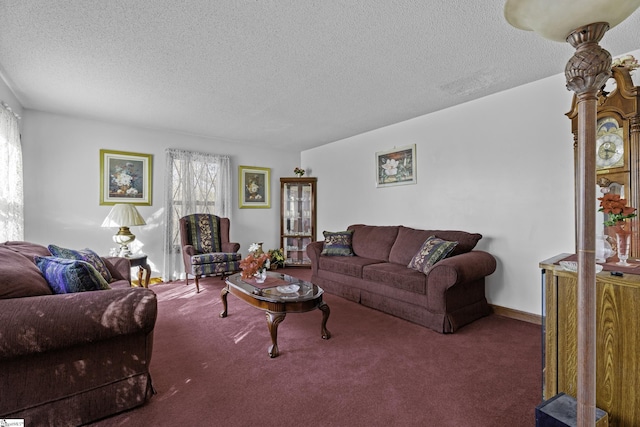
(273, 320)
(223, 297)
(325, 316)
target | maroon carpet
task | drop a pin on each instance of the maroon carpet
(376, 370)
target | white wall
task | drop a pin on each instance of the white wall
(62, 183)
(501, 166)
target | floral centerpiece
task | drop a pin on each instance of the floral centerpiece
(298, 171)
(256, 263)
(616, 209)
(618, 212)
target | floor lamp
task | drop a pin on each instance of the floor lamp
(581, 24)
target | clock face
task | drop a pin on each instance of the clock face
(610, 149)
(609, 144)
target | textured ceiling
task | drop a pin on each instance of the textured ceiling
(287, 74)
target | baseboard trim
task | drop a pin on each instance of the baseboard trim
(517, 314)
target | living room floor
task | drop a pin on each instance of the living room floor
(376, 370)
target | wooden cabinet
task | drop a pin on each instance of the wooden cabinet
(617, 340)
(297, 218)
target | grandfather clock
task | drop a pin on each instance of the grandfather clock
(617, 144)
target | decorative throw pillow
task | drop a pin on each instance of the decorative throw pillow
(66, 276)
(86, 255)
(337, 243)
(433, 250)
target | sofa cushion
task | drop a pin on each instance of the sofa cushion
(86, 255)
(374, 242)
(215, 257)
(349, 266)
(27, 249)
(69, 275)
(432, 250)
(410, 240)
(396, 276)
(19, 276)
(337, 243)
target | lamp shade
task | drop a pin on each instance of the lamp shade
(556, 19)
(123, 215)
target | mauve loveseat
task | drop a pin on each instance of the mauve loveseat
(69, 359)
(450, 295)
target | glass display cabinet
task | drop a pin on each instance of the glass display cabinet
(297, 219)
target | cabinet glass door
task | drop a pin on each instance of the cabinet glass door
(298, 221)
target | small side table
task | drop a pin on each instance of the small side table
(140, 261)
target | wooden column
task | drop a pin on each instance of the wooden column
(634, 158)
(586, 72)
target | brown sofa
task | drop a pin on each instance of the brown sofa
(69, 359)
(450, 295)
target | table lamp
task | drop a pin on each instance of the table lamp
(581, 24)
(123, 216)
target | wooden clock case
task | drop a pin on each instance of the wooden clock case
(622, 103)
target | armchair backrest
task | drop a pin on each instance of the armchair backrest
(205, 232)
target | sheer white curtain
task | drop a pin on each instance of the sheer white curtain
(11, 195)
(195, 183)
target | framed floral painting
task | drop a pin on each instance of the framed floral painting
(125, 178)
(254, 185)
(396, 166)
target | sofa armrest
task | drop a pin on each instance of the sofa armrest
(50, 322)
(119, 267)
(230, 247)
(461, 269)
(314, 249)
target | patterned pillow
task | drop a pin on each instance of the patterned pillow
(66, 276)
(337, 243)
(86, 255)
(433, 250)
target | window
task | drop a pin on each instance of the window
(11, 193)
(196, 183)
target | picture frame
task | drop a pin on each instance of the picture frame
(396, 166)
(254, 187)
(125, 178)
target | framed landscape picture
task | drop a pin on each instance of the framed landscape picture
(254, 185)
(125, 178)
(396, 166)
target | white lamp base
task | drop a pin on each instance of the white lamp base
(124, 252)
(124, 237)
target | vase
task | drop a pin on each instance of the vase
(261, 276)
(623, 240)
(259, 251)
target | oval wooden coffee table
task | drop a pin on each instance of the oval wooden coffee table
(278, 295)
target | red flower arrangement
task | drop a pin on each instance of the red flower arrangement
(252, 264)
(616, 208)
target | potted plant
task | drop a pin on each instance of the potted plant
(277, 258)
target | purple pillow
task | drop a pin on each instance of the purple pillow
(66, 276)
(86, 255)
(337, 243)
(19, 276)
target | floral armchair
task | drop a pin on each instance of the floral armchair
(206, 249)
